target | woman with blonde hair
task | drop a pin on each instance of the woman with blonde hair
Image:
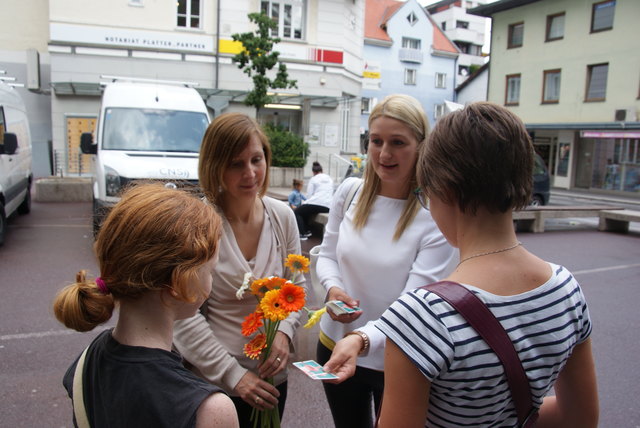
(258, 232)
(383, 245)
(156, 250)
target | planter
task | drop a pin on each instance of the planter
(64, 189)
(283, 177)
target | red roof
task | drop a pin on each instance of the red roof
(377, 14)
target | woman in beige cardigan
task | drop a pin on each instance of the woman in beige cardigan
(258, 233)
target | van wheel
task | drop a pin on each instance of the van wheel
(25, 206)
(3, 224)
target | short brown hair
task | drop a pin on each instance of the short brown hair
(225, 138)
(154, 238)
(480, 156)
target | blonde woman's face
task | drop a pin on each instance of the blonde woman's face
(393, 151)
(245, 174)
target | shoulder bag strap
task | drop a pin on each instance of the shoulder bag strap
(351, 194)
(78, 396)
(489, 328)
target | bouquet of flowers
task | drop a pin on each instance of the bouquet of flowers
(277, 298)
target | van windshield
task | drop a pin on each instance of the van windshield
(153, 130)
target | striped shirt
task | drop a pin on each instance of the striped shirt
(468, 384)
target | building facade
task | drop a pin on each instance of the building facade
(569, 69)
(467, 31)
(90, 42)
(405, 52)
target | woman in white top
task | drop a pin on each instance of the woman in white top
(258, 234)
(385, 245)
(319, 195)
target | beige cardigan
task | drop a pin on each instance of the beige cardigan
(213, 343)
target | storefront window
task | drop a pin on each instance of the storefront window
(616, 164)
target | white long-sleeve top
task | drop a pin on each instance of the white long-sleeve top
(320, 190)
(373, 268)
(212, 343)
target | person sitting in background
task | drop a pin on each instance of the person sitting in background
(319, 194)
(475, 169)
(296, 197)
(156, 250)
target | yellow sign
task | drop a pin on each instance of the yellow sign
(230, 47)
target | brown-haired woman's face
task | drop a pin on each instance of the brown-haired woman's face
(393, 149)
(245, 174)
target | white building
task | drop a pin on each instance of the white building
(190, 41)
(465, 30)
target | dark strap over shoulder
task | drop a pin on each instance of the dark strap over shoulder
(489, 328)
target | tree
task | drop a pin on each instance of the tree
(287, 149)
(257, 58)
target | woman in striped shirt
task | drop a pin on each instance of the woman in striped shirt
(475, 169)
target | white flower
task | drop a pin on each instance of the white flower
(245, 285)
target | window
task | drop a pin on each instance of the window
(438, 111)
(555, 27)
(516, 33)
(410, 76)
(463, 70)
(188, 13)
(410, 43)
(462, 24)
(412, 18)
(365, 106)
(551, 89)
(441, 80)
(288, 14)
(512, 96)
(597, 82)
(602, 16)
(443, 25)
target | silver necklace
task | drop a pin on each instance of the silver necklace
(489, 252)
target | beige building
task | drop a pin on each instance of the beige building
(82, 41)
(571, 70)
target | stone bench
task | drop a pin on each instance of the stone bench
(532, 219)
(617, 220)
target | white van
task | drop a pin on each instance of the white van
(145, 131)
(15, 157)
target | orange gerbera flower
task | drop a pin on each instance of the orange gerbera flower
(292, 297)
(297, 263)
(259, 287)
(254, 348)
(272, 307)
(251, 323)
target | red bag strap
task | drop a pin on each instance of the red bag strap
(489, 328)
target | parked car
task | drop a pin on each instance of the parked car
(541, 183)
(15, 157)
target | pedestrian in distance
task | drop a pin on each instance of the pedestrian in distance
(258, 233)
(155, 250)
(475, 169)
(319, 195)
(296, 197)
(382, 246)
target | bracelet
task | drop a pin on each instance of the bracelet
(364, 337)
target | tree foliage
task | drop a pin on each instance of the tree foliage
(287, 148)
(258, 57)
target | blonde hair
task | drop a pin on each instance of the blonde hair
(155, 238)
(409, 111)
(226, 137)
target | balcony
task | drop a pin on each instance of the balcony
(410, 55)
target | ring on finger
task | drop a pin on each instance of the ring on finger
(278, 360)
(257, 400)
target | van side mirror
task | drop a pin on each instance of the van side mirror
(86, 144)
(10, 144)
